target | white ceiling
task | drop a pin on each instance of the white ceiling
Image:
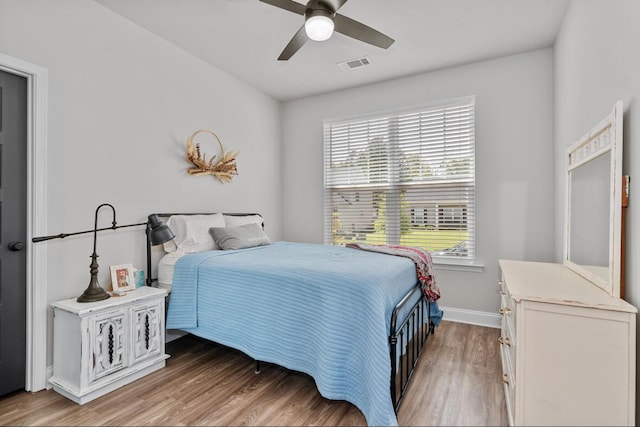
(245, 37)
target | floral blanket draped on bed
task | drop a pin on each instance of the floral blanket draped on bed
(421, 259)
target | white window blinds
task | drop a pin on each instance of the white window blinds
(406, 178)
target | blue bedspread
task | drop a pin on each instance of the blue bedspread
(319, 309)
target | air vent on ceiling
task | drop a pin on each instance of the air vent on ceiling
(354, 63)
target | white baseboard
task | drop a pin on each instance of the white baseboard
(480, 318)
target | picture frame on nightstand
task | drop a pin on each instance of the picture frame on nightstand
(122, 278)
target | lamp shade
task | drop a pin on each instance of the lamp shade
(319, 25)
(159, 232)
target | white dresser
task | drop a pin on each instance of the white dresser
(100, 346)
(568, 348)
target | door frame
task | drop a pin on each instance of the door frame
(36, 274)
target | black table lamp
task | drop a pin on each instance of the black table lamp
(157, 233)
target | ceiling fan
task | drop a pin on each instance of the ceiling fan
(320, 21)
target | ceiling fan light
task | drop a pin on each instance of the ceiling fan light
(319, 27)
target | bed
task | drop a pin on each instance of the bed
(356, 321)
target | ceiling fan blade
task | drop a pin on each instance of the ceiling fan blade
(290, 5)
(294, 45)
(333, 5)
(339, 4)
(357, 30)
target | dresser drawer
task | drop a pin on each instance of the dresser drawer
(507, 338)
(508, 380)
(507, 304)
(509, 344)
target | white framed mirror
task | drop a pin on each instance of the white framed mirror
(593, 204)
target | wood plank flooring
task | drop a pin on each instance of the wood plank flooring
(457, 382)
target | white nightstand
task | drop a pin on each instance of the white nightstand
(101, 346)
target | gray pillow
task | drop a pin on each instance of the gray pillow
(240, 237)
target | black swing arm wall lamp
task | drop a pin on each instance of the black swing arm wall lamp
(157, 233)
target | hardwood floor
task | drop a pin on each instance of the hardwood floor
(457, 382)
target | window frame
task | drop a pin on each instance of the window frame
(456, 211)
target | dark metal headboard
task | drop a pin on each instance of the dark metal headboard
(149, 279)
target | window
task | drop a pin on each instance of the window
(406, 178)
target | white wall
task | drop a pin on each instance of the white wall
(514, 154)
(597, 61)
(121, 105)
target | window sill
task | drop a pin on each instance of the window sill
(442, 263)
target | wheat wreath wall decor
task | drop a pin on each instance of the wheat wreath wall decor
(223, 169)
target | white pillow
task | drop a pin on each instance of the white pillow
(238, 220)
(166, 266)
(192, 232)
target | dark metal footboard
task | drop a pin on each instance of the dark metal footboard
(406, 339)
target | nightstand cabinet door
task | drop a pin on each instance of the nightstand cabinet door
(108, 344)
(147, 330)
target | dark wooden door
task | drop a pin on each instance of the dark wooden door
(13, 221)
